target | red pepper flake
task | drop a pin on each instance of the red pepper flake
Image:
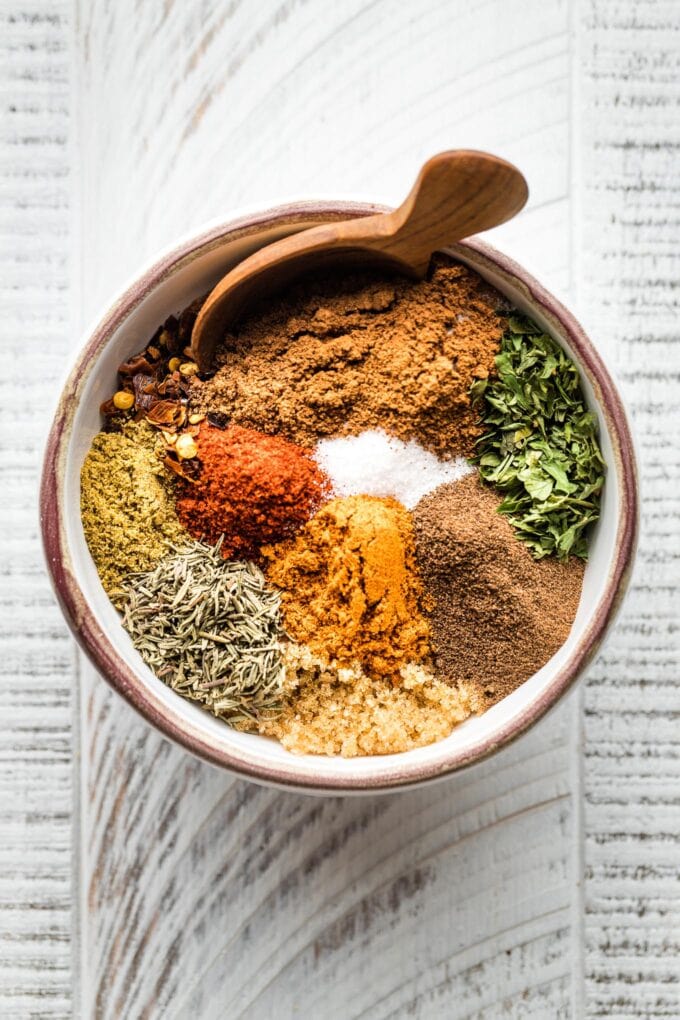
(153, 377)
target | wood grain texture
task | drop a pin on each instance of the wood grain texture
(201, 895)
(205, 896)
(208, 894)
(630, 62)
(38, 661)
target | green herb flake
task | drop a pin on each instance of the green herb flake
(211, 629)
(540, 443)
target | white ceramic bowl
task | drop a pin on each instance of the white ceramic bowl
(170, 284)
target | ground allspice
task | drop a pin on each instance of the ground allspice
(343, 354)
(498, 614)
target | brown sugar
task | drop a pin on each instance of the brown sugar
(348, 585)
(499, 614)
(348, 353)
(342, 711)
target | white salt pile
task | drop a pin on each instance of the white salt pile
(375, 464)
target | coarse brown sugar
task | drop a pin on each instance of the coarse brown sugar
(349, 588)
(348, 353)
(498, 614)
(327, 710)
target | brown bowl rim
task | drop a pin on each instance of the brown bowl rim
(101, 651)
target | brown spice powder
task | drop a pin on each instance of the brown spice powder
(499, 614)
(349, 589)
(341, 355)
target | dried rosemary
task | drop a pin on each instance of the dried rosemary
(209, 628)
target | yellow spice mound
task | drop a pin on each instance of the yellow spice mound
(343, 711)
(349, 585)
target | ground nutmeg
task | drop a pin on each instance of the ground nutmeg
(498, 613)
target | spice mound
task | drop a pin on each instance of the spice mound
(252, 489)
(343, 711)
(345, 354)
(375, 464)
(349, 586)
(499, 614)
(127, 503)
(367, 525)
(540, 447)
(210, 629)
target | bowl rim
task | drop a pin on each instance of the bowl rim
(101, 650)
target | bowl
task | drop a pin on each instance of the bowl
(168, 285)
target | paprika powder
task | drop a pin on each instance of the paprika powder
(252, 488)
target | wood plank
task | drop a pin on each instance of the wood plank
(38, 659)
(630, 60)
(204, 895)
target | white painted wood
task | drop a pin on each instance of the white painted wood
(630, 61)
(204, 896)
(37, 660)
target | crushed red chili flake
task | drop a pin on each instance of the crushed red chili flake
(252, 488)
(160, 395)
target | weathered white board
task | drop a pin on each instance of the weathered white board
(629, 249)
(37, 657)
(540, 884)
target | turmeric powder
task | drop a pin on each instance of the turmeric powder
(349, 585)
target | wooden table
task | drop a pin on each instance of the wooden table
(136, 882)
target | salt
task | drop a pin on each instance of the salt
(375, 464)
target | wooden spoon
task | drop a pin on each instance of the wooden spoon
(457, 194)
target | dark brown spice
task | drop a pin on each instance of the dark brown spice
(499, 614)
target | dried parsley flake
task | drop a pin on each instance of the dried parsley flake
(540, 447)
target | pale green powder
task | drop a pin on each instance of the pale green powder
(127, 503)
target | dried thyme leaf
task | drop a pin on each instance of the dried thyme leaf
(210, 629)
(540, 446)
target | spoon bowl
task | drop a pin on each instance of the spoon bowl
(457, 194)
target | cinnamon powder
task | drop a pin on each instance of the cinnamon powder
(344, 354)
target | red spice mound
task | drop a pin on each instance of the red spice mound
(253, 489)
